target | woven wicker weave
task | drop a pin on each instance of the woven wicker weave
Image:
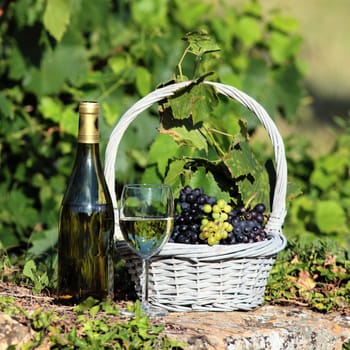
(186, 277)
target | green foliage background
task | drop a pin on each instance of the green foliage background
(55, 53)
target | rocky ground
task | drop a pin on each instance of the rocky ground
(272, 327)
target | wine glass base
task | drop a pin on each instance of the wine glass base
(153, 311)
(146, 310)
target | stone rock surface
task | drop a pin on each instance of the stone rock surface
(12, 332)
(265, 328)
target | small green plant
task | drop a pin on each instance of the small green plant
(39, 279)
(93, 325)
(8, 306)
(315, 275)
(5, 263)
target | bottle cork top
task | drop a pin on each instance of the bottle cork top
(88, 122)
(89, 107)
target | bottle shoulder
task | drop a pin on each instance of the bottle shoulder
(87, 183)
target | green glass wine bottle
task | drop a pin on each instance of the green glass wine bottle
(86, 220)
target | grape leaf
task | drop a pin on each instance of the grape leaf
(248, 30)
(150, 13)
(241, 161)
(282, 47)
(6, 107)
(143, 80)
(182, 135)
(284, 23)
(111, 112)
(50, 108)
(17, 64)
(322, 179)
(259, 188)
(151, 175)
(198, 102)
(57, 17)
(65, 63)
(29, 269)
(253, 8)
(42, 241)
(119, 63)
(173, 177)
(190, 13)
(69, 121)
(330, 216)
(162, 149)
(200, 43)
(287, 89)
(202, 178)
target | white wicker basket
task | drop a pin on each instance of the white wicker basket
(185, 277)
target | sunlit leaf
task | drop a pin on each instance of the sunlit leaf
(162, 149)
(143, 80)
(283, 47)
(284, 23)
(330, 216)
(249, 30)
(182, 135)
(56, 17)
(29, 269)
(176, 169)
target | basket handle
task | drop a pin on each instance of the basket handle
(278, 212)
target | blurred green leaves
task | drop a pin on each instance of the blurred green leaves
(55, 53)
(322, 209)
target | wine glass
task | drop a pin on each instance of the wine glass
(146, 218)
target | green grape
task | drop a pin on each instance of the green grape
(221, 203)
(224, 216)
(227, 208)
(211, 240)
(223, 234)
(204, 221)
(217, 236)
(216, 208)
(211, 224)
(228, 226)
(215, 226)
(207, 208)
(203, 235)
(216, 216)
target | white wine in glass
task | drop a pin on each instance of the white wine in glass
(146, 218)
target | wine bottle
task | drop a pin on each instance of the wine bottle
(86, 220)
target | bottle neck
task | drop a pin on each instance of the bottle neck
(88, 154)
(88, 129)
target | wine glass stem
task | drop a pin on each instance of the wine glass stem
(145, 268)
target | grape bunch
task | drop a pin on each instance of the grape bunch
(248, 225)
(205, 220)
(188, 222)
(216, 227)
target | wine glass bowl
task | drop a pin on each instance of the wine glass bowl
(146, 216)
